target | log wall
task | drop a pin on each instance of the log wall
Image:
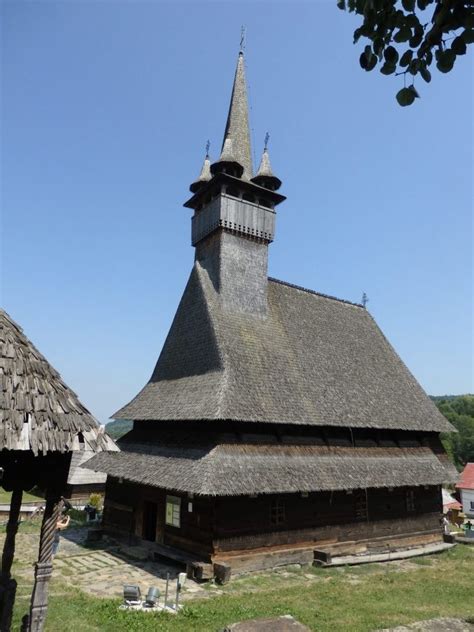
(217, 527)
(246, 523)
(125, 507)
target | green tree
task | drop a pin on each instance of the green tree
(407, 36)
(460, 412)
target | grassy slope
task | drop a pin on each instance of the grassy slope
(356, 599)
(27, 497)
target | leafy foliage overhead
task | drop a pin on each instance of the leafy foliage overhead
(407, 36)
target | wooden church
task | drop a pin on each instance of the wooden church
(278, 421)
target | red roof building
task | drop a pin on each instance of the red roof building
(467, 477)
(466, 487)
(449, 502)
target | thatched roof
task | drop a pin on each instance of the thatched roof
(232, 468)
(38, 412)
(314, 360)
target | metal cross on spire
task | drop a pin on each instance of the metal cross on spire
(365, 299)
(267, 138)
(242, 38)
(208, 146)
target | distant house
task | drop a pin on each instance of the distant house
(81, 483)
(449, 502)
(452, 508)
(466, 488)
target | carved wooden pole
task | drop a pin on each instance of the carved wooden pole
(7, 584)
(44, 566)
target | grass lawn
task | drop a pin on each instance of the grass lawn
(28, 497)
(353, 599)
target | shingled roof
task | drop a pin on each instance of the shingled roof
(232, 469)
(237, 126)
(79, 475)
(314, 360)
(38, 412)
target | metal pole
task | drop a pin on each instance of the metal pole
(7, 584)
(166, 589)
(177, 594)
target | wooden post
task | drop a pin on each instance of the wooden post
(7, 584)
(44, 567)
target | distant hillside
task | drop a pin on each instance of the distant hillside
(459, 410)
(118, 428)
(438, 398)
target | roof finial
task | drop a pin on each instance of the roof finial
(208, 146)
(365, 299)
(267, 138)
(242, 40)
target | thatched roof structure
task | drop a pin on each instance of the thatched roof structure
(314, 360)
(232, 465)
(38, 411)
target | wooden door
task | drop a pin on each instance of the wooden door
(150, 514)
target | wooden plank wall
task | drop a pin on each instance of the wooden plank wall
(243, 523)
(123, 512)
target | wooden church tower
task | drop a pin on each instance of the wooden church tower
(279, 424)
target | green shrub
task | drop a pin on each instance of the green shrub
(96, 501)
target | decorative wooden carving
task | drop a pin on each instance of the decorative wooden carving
(44, 567)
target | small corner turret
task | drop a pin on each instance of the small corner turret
(265, 177)
(205, 174)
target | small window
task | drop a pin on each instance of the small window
(173, 511)
(410, 500)
(472, 504)
(360, 505)
(277, 512)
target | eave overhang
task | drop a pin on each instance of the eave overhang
(245, 185)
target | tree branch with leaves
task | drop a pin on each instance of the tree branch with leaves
(408, 35)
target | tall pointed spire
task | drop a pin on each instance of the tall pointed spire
(237, 126)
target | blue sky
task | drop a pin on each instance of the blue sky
(106, 108)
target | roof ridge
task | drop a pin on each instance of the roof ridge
(203, 278)
(305, 289)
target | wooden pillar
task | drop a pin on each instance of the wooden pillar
(44, 567)
(7, 584)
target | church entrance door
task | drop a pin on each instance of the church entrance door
(150, 514)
